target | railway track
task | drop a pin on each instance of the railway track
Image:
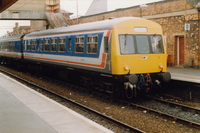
(195, 111)
(172, 117)
(81, 106)
(110, 119)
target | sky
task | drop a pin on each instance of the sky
(71, 6)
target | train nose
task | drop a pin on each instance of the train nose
(166, 76)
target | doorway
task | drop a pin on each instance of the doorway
(180, 51)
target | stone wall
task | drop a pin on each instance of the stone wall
(172, 15)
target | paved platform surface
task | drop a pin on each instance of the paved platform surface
(185, 74)
(22, 110)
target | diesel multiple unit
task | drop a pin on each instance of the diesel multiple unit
(122, 56)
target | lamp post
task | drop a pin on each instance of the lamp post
(76, 10)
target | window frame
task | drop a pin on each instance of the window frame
(79, 44)
(92, 40)
(46, 45)
(33, 45)
(62, 42)
(28, 46)
(41, 42)
(53, 45)
(136, 44)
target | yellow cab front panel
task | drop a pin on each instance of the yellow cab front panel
(137, 47)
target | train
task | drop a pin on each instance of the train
(120, 56)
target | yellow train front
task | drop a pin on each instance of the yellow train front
(138, 54)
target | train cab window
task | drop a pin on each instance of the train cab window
(156, 44)
(142, 44)
(41, 45)
(46, 45)
(33, 45)
(28, 48)
(92, 44)
(61, 45)
(53, 45)
(126, 44)
(79, 44)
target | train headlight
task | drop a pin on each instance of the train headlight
(126, 67)
(161, 66)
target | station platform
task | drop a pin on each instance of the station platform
(185, 74)
(23, 110)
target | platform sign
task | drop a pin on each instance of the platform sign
(187, 26)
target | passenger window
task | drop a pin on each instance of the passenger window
(106, 44)
(79, 44)
(41, 45)
(53, 45)
(92, 44)
(69, 44)
(46, 45)
(13, 46)
(61, 45)
(142, 44)
(33, 45)
(127, 44)
(28, 45)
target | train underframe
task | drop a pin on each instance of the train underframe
(118, 86)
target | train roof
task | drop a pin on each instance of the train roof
(98, 25)
(11, 38)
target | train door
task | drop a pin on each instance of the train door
(180, 51)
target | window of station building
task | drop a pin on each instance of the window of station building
(41, 45)
(61, 45)
(92, 44)
(79, 44)
(46, 45)
(53, 44)
(33, 45)
(28, 48)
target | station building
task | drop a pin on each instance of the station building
(180, 20)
